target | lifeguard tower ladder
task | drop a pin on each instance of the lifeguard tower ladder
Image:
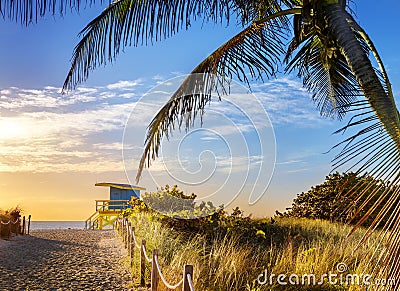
(107, 211)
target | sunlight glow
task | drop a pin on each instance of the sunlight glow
(10, 129)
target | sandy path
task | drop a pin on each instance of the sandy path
(63, 260)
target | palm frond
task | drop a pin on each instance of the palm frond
(137, 22)
(29, 11)
(255, 52)
(339, 85)
(373, 147)
(372, 150)
(254, 10)
(328, 78)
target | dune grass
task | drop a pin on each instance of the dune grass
(230, 262)
(5, 216)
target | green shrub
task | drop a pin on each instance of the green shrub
(329, 201)
(169, 200)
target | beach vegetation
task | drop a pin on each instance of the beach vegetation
(6, 216)
(236, 253)
(324, 201)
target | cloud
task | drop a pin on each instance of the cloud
(290, 162)
(287, 102)
(124, 85)
(50, 142)
(16, 98)
(111, 146)
(209, 138)
(43, 130)
(298, 170)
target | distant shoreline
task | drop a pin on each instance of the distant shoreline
(37, 225)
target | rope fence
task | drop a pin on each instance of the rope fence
(7, 228)
(127, 232)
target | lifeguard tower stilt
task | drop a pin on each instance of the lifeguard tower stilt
(107, 211)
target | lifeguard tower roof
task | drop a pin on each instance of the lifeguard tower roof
(107, 211)
(120, 186)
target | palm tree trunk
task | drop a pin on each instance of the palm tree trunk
(381, 103)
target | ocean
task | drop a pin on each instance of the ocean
(57, 225)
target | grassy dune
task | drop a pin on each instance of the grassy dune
(229, 260)
(5, 216)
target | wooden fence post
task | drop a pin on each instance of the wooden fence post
(154, 272)
(187, 269)
(29, 223)
(126, 233)
(129, 238)
(123, 229)
(23, 226)
(142, 263)
(132, 242)
(121, 222)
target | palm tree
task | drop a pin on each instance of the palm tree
(328, 50)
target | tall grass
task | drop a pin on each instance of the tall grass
(228, 262)
(5, 216)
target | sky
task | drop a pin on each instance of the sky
(54, 147)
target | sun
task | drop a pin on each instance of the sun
(10, 129)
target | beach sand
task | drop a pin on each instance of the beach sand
(67, 259)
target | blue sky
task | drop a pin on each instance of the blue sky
(55, 147)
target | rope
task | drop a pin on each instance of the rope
(143, 247)
(134, 239)
(162, 276)
(137, 245)
(145, 254)
(5, 223)
(189, 277)
(16, 221)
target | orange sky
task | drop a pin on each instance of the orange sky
(53, 196)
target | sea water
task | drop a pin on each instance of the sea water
(57, 225)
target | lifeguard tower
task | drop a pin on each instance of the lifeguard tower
(107, 211)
